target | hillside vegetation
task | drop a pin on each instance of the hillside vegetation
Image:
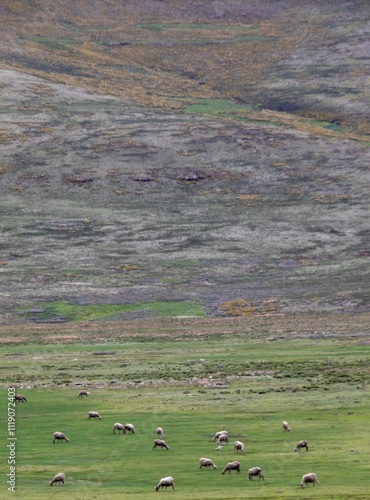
(212, 156)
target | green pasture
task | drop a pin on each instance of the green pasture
(43, 311)
(55, 43)
(192, 388)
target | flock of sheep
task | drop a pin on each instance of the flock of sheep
(221, 437)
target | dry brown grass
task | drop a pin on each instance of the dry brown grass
(157, 53)
(267, 323)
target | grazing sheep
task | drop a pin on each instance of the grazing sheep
(218, 434)
(60, 436)
(222, 439)
(119, 427)
(232, 466)
(82, 393)
(165, 482)
(300, 445)
(130, 428)
(160, 432)
(254, 472)
(206, 462)
(286, 426)
(94, 414)
(239, 446)
(58, 478)
(19, 398)
(308, 478)
(160, 443)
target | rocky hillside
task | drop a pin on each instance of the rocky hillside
(206, 152)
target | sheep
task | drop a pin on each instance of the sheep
(159, 431)
(130, 428)
(239, 446)
(218, 434)
(286, 426)
(165, 482)
(119, 427)
(60, 436)
(232, 466)
(94, 414)
(82, 393)
(19, 398)
(160, 443)
(300, 445)
(58, 478)
(254, 472)
(308, 478)
(223, 438)
(206, 462)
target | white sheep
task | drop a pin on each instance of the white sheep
(94, 414)
(218, 434)
(223, 439)
(239, 446)
(255, 472)
(58, 478)
(206, 462)
(308, 478)
(160, 432)
(160, 443)
(232, 466)
(82, 393)
(130, 428)
(20, 398)
(300, 445)
(119, 427)
(59, 437)
(286, 426)
(165, 482)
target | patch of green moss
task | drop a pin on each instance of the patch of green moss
(75, 312)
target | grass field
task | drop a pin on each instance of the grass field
(184, 233)
(192, 385)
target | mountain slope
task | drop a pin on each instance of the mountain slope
(211, 165)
